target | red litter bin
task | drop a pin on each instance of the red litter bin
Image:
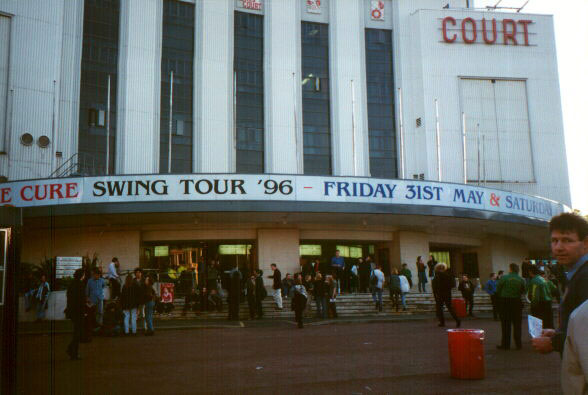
(459, 306)
(466, 353)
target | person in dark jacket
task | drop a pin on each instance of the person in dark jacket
(442, 285)
(149, 297)
(569, 245)
(320, 296)
(277, 285)
(299, 298)
(431, 265)
(364, 275)
(76, 303)
(467, 292)
(256, 293)
(129, 300)
(395, 289)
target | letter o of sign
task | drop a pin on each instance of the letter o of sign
(464, 31)
(376, 14)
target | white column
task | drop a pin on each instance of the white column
(283, 99)
(347, 62)
(138, 93)
(66, 137)
(214, 149)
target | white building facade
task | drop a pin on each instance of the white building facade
(396, 93)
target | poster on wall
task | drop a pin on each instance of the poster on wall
(377, 10)
(166, 292)
(313, 6)
(65, 266)
(251, 4)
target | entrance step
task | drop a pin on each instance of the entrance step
(348, 305)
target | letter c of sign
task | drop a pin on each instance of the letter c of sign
(445, 38)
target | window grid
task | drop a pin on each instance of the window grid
(177, 55)
(99, 60)
(316, 114)
(380, 97)
(248, 67)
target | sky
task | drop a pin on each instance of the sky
(571, 37)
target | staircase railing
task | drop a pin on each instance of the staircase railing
(79, 165)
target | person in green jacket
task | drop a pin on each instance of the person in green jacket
(539, 294)
(510, 289)
(406, 273)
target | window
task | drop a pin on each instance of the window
(498, 141)
(248, 67)
(316, 114)
(380, 97)
(4, 66)
(310, 250)
(177, 54)
(99, 62)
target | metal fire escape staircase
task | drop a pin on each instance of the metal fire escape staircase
(79, 165)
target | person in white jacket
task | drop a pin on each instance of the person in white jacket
(574, 368)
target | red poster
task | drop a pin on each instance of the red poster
(166, 292)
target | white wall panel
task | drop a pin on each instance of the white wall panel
(34, 76)
(138, 93)
(282, 95)
(349, 125)
(214, 148)
(442, 65)
(318, 17)
(66, 139)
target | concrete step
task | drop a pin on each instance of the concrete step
(348, 305)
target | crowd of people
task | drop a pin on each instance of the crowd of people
(91, 314)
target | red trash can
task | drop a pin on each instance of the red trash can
(466, 353)
(459, 306)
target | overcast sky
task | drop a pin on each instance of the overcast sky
(571, 36)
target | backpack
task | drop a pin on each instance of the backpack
(374, 280)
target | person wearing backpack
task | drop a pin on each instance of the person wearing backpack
(395, 289)
(540, 297)
(377, 284)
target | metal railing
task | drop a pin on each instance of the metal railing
(79, 165)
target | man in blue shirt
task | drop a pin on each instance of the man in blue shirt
(337, 265)
(569, 245)
(95, 293)
(490, 288)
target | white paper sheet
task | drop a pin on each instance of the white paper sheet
(535, 326)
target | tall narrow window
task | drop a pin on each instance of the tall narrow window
(380, 97)
(316, 115)
(177, 56)
(99, 66)
(248, 64)
(4, 57)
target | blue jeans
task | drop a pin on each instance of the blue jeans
(377, 295)
(403, 299)
(41, 304)
(321, 306)
(149, 307)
